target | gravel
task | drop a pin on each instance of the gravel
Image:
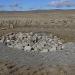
(66, 56)
(40, 42)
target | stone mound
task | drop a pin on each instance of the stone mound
(40, 42)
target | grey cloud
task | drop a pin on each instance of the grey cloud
(14, 5)
(2, 6)
(62, 3)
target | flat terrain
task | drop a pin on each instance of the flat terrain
(18, 62)
(57, 22)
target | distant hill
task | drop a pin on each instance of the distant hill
(41, 11)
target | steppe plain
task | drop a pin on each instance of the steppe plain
(58, 22)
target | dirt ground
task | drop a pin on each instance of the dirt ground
(10, 68)
(60, 23)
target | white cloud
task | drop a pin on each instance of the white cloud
(62, 3)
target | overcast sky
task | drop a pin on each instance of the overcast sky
(22, 5)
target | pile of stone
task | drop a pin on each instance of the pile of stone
(40, 42)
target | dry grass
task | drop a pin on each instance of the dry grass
(53, 70)
(9, 68)
(60, 23)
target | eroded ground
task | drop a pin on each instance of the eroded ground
(59, 23)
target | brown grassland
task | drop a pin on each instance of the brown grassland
(9, 68)
(60, 23)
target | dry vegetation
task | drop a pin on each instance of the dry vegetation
(9, 68)
(60, 23)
